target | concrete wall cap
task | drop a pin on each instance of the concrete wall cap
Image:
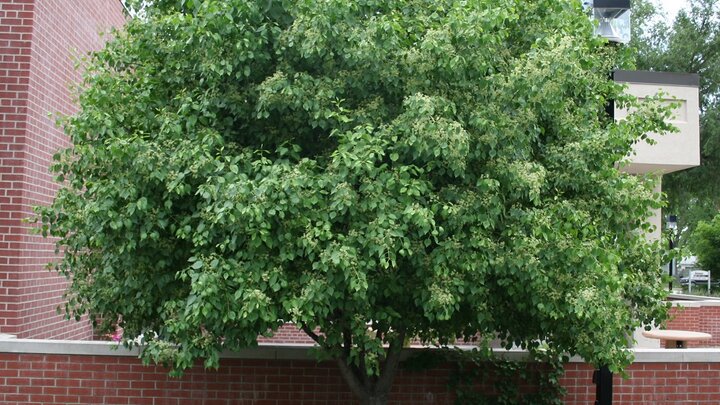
(302, 352)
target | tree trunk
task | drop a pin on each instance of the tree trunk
(370, 391)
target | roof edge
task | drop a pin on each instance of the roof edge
(647, 76)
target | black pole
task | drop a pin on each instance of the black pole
(672, 225)
(670, 265)
(603, 380)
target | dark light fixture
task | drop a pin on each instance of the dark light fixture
(613, 17)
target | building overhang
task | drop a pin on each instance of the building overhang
(673, 151)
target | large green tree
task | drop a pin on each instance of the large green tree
(706, 244)
(690, 43)
(371, 171)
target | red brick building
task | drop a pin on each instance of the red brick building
(40, 41)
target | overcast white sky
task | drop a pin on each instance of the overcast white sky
(671, 7)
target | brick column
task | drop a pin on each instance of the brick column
(39, 42)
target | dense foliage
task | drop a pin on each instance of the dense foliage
(372, 170)
(705, 244)
(479, 378)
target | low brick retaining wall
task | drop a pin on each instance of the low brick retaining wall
(74, 372)
(650, 383)
(698, 316)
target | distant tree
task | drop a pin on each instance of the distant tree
(691, 44)
(706, 245)
(372, 171)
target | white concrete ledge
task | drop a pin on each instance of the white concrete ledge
(699, 355)
(687, 300)
(302, 351)
(103, 348)
(70, 347)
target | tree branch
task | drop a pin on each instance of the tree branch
(351, 374)
(355, 376)
(352, 379)
(361, 370)
(347, 342)
(314, 336)
(390, 365)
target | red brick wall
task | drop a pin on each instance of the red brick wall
(705, 318)
(37, 39)
(649, 383)
(288, 333)
(15, 39)
(75, 379)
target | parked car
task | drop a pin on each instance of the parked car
(698, 277)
